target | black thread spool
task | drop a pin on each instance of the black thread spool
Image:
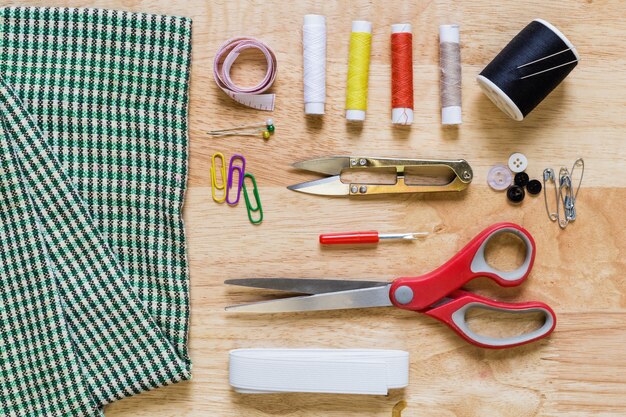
(503, 79)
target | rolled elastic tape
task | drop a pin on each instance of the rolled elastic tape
(332, 371)
(314, 61)
(358, 70)
(450, 97)
(226, 56)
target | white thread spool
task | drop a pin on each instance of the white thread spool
(314, 61)
(451, 114)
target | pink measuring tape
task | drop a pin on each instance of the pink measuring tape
(248, 96)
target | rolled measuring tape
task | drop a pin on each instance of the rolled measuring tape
(533, 64)
(226, 56)
(332, 371)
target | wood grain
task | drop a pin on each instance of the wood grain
(580, 272)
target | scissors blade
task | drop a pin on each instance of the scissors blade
(324, 186)
(332, 165)
(304, 285)
(360, 298)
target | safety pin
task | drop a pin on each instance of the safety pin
(564, 192)
(548, 176)
(578, 163)
(214, 184)
(229, 183)
(564, 198)
(255, 192)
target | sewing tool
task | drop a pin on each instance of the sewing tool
(455, 174)
(314, 61)
(256, 208)
(214, 185)
(240, 169)
(450, 80)
(358, 70)
(401, 74)
(533, 64)
(350, 238)
(564, 192)
(436, 294)
(330, 371)
(226, 56)
(266, 129)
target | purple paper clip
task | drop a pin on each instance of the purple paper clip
(229, 182)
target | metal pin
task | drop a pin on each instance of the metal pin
(404, 236)
(565, 194)
(565, 187)
(548, 176)
(545, 57)
(578, 163)
(549, 69)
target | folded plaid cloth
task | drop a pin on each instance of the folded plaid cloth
(94, 292)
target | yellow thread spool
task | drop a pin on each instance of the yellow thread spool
(358, 70)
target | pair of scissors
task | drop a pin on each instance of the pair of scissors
(457, 172)
(437, 294)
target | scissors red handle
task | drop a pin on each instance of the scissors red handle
(437, 293)
(453, 313)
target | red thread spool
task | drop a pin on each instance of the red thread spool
(401, 74)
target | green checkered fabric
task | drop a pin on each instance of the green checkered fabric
(94, 297)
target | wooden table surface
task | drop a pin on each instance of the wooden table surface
(579, 371)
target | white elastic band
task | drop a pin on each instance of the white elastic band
(333, 371)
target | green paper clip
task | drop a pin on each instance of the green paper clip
(255, 192)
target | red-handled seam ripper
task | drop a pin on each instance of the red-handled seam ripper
(350, 238)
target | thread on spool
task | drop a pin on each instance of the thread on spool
(533, 64)
(314, 60)
(401, 74)
(358, 70)
(450, 78)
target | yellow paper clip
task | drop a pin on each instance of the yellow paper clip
(214, 185)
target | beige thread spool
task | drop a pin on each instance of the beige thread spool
(450, 68)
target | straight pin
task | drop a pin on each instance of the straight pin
(545, 57)
(549, 69)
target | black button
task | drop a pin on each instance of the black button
(515, 194)
(521, 179)
(534, 187)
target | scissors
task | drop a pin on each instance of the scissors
(437, 294)
(459, 175)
